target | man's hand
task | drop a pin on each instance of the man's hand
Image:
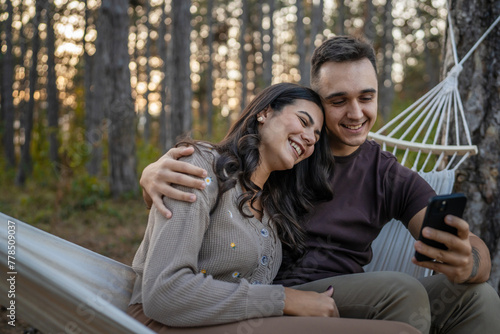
(466, 259)
(157, 179)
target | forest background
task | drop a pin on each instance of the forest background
(94, 90)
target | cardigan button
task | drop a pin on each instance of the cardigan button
(264, 260)
(264, 232)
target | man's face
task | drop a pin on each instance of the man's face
(349, 94)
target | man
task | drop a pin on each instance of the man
(370, 189)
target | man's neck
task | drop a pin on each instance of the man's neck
(343, 151)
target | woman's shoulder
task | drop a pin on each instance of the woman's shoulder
(204, 156)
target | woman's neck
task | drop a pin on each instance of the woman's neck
(259, 178)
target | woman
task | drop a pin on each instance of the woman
(213, 262)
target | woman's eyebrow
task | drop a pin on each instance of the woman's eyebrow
(311, 120)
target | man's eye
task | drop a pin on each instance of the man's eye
(366, 98)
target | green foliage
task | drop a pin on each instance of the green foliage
(87, 191)
(221, 126)
(146, 154)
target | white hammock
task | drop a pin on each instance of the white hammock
(420, 138)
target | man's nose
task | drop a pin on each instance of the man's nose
(355, 111)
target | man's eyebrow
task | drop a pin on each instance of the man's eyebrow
(311, 120)
(368, 90)
(333, 95)
(364, 91)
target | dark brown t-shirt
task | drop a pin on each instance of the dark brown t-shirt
(370, 188)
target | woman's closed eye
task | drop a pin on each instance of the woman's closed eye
(303, 121)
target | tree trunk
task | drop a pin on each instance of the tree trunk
(181, 93)
(52, 101)
(122, 160)
(259, 61)
(300, 35)
(100, 90)
(25, 165)
(268, 46)
(316, 27)
(369, 30)
(162, 49)
(92, 167)
(210, 82)
(243, 54)
(478, 83)
(432, 63)
(7, 98)
(386, 86)
(147, 115)
(340, 17)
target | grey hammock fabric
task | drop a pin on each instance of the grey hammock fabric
(393, 248)
(61, 287)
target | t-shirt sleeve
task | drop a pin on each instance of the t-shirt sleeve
(174, 291)
(409, 193)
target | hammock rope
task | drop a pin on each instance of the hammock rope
(424, 128)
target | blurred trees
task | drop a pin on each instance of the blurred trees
(192, 65)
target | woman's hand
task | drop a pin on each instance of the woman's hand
(310, 303)
(157, 179)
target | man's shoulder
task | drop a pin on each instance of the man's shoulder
(386, 163)
(374, 148)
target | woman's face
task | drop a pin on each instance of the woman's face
(288, 136)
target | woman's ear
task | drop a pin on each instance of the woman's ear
(264, 114)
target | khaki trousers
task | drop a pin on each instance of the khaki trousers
(432, 304)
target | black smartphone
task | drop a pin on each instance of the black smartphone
(437, 209)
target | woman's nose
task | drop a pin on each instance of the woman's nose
(309, 137)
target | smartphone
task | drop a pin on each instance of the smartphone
(437, 209)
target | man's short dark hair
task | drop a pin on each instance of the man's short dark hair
(340, 49)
